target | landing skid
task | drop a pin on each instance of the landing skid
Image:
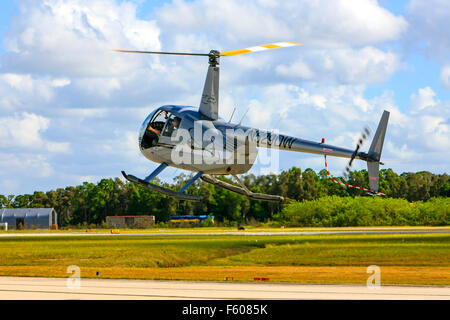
(167, 192)
(243, 190)
(239, 190)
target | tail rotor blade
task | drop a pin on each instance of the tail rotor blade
(364, 136)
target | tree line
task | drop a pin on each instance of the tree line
(91, 202)
(334, 211)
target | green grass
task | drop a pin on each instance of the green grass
(282, 250)
(217, 229)
(404, 259)
(344, 254)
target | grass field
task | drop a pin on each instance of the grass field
(228, 229)
(403, 259)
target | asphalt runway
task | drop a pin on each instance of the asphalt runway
(232, 233)
(99, 289)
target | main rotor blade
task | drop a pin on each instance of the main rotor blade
(159, 52)
(261, 48)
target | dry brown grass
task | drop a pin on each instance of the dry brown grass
(404, 259)
(299, 274)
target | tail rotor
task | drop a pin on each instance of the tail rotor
(372, 157)
(364, 136)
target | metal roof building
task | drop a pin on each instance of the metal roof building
(26, 218)
(130, 221)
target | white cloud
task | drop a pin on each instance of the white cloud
(57, 147)
(445, 77)
(430, 22)
(435, 132)
(339, 37)
(259, 113)
(76, 38)
(24, 164)
(80, 114)
(125, 143)
(343, 65)
(90, 179)
(24, 91)
(83, 103)
(24, 131)
(298, 69)
(62, 82)
(415, 135)
(429, 118)
(358, 22)
(422, 100)
(19, 82)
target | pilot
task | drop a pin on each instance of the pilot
(158, 132)
(150, 128)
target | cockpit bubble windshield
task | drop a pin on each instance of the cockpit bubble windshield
(159, 123)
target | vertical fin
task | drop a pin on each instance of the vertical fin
(377, 143)
(373, 168)
(209, 104)
(373, 164)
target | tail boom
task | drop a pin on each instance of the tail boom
(266, 139)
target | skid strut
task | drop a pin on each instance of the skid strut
(188, 184)
(241, 190)
(179, 195)
(157, 171)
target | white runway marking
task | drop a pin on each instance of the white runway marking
(55, 288)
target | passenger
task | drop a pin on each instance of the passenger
(171, 126)
(176, 122)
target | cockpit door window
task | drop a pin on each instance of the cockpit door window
(151, 129)
(172, 125)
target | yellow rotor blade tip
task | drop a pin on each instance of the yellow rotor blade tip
(263, 47)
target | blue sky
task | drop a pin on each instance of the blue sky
(8, 8)
(70, 110)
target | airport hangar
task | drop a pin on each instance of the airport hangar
(28, 218)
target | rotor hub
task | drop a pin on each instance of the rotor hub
(214, 57)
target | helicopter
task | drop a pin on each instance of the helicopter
(198, 140)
